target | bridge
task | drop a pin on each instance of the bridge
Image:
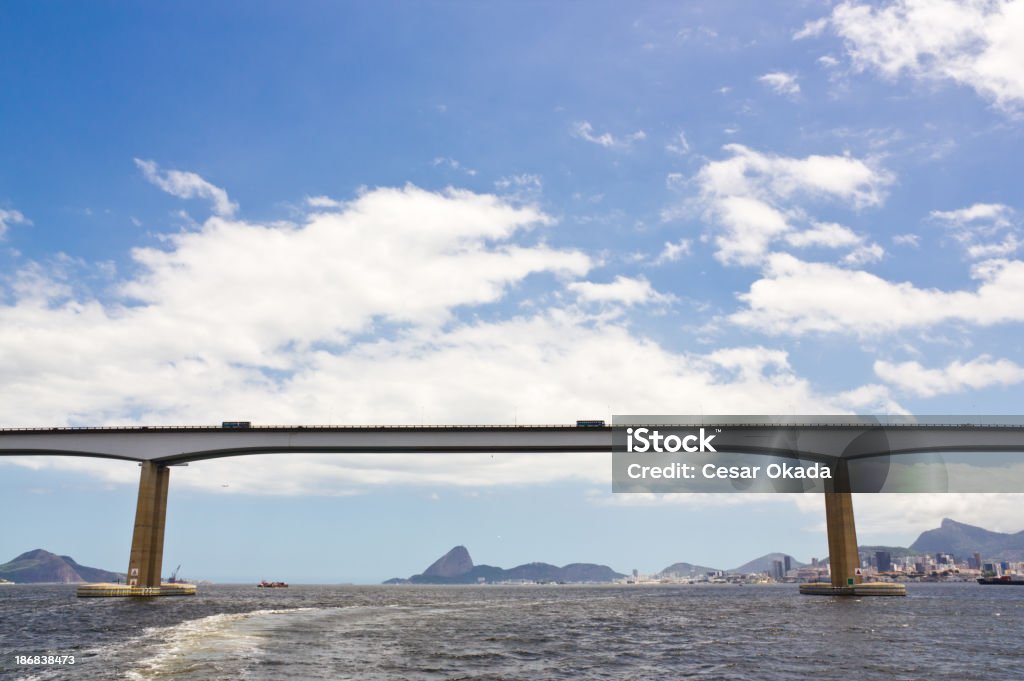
(834, 440)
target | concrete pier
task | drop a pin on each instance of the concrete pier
(125, 591)
(864, 589)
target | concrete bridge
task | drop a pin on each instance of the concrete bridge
(834, 440)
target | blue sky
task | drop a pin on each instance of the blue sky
(486, 213)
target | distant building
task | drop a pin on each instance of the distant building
(977, 561)
(777, 570)
(787, 564)
(814, 562)
(883, 560)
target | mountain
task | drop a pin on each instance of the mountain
(686, 570)
(39, 566)
(764, 563)
(452, 564)
(963, 540)
(456, 567)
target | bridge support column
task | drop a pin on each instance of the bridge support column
(843, 557)
(147, 554)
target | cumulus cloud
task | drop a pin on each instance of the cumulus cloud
(232, 300)
(585, 131)
(624, 290)
(798, 297)
(995, 213)
(826, 235)
(812, 29)
(986, 230)
(673, 252)
(10, 217)
(187, 185)
(973, 43)
(756, 200)
(980, 372)
(781, 82)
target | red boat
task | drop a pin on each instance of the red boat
(264, 584)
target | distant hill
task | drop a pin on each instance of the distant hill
(764, 563)
(963, 540)
(456, 567)
(39, 566)
(452, 564)
(686, 570)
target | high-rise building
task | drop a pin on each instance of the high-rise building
(977, 561)
(787, 562)
(883, 560)
(777, 569)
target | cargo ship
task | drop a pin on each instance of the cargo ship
(264, 584)
(1017, 580)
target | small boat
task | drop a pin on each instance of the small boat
(264, 584)
(1016, 580)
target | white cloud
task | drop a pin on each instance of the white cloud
(323, 202)
(811, 29)
(585, 131)
(957, 376)
(10, 217)
(914, 513)
(1007, 247)
(828, 61)
(974, 43)
(232, 300)
(675, 181)
(986, 230)
(825, 234)
(752, 197)
(187, 185)
(524, 187)
(453, 164)
(862, 255)
(748, 172)
(996, 213)
(522, 180)
(750, 227)
(781, 82)
(797, 297)
(906, 240)
(674, 251)
(625, 290)
(678, 144)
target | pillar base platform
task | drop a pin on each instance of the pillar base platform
(123, 590)
(866, 589)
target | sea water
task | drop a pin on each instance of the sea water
(954, 631)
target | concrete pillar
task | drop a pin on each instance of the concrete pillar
(147, 554)
(843, 557)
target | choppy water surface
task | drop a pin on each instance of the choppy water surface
(545, 632)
